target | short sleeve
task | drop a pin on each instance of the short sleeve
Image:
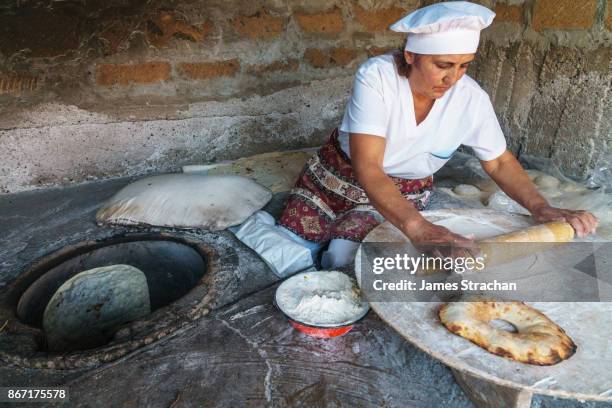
(486, 139)
(366, 111)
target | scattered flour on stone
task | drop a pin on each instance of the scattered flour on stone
(324, 298)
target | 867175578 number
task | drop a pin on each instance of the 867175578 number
(31, 394)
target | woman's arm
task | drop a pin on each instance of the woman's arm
(367, 152)
(510, 176)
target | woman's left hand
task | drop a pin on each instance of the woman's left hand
(583, 222)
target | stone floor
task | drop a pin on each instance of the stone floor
(241, 354)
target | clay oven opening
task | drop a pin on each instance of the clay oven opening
(171, 268)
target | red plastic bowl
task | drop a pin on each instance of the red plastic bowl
(321, 332)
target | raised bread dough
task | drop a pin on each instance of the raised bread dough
(537, 340)
(466, 190)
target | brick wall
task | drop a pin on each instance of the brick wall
(131, 88)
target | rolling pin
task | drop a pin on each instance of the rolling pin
(556, 231)
(520, 243)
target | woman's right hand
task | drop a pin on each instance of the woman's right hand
(438, 240)
(424, 232)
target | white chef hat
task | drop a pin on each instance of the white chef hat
(452, 27)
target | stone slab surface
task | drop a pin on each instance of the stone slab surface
(586, 375)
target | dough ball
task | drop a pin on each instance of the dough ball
(487, 185)
(546, 181)
(446, 190)
(466, 190)
(533, 173)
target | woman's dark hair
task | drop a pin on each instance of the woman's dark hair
(403, 68)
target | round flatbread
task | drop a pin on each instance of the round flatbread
(537, 339)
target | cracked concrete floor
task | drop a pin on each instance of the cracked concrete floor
(247, 355)
(243, 354)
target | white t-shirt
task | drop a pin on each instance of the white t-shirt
(381, 104)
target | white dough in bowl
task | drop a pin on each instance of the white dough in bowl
(185, 201)
(323, 298)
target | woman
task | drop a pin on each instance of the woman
(407, 114)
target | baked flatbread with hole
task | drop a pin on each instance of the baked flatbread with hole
(537, 340)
